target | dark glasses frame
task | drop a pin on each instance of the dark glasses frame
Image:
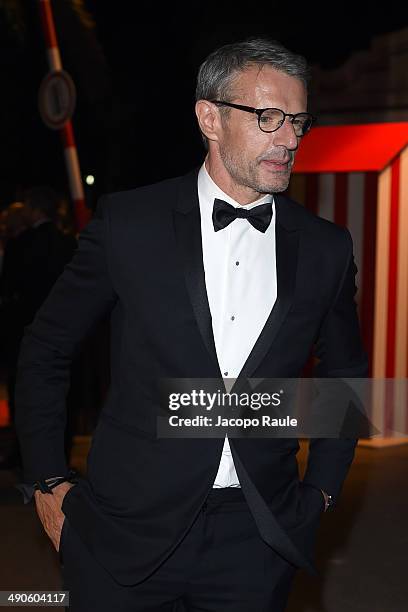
(260, 111)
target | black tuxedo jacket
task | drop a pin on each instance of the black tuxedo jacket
(140, 257)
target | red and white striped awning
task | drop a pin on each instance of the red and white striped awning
(351, 148)
(357, 176)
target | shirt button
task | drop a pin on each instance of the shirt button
(225, 373)
(237, 263)
(232, 318)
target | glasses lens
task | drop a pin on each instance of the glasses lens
(271, 119)
(302, 123)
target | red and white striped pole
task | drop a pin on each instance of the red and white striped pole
(81, 212)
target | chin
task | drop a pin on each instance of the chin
(274, 185)
(281, 187)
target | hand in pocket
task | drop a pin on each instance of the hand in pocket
(50, 513)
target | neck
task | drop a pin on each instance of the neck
(221, 177)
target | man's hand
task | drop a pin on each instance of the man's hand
(50, 513)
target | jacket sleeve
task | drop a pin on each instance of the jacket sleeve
(341, 355)
(79, 298)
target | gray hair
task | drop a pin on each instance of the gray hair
(218, 71)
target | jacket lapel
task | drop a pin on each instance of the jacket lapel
(287, 242)
(187, 224)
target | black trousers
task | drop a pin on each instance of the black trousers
(222, 565)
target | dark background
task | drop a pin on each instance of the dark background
(134, 68)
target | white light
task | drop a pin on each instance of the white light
(89, 179)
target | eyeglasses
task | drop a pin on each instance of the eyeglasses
(271, 119)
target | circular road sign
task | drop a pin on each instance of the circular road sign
(56, 99)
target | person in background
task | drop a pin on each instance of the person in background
(3, 236)
(35, 255)
(15, 228)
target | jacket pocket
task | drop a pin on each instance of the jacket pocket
(62, 541)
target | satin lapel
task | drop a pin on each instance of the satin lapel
(287, 242)
(187, 224)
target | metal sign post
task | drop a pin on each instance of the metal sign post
(56, 103)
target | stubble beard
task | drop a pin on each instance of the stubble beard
(246, 174)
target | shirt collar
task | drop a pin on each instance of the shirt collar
(209, 190)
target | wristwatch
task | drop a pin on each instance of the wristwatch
(45, 486)
(328, 500)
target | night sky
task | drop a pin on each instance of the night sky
(128, 66)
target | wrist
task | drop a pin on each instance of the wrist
(328, 500)
(47, 485)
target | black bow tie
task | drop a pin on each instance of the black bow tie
(259, 216)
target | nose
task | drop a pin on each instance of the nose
(285, 136)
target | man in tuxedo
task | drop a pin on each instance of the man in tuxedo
(213, 275)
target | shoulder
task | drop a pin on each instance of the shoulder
(319, 231)
(141, 201)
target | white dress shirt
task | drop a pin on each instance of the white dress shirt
(240, 277)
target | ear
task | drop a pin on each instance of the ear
(208, 118)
